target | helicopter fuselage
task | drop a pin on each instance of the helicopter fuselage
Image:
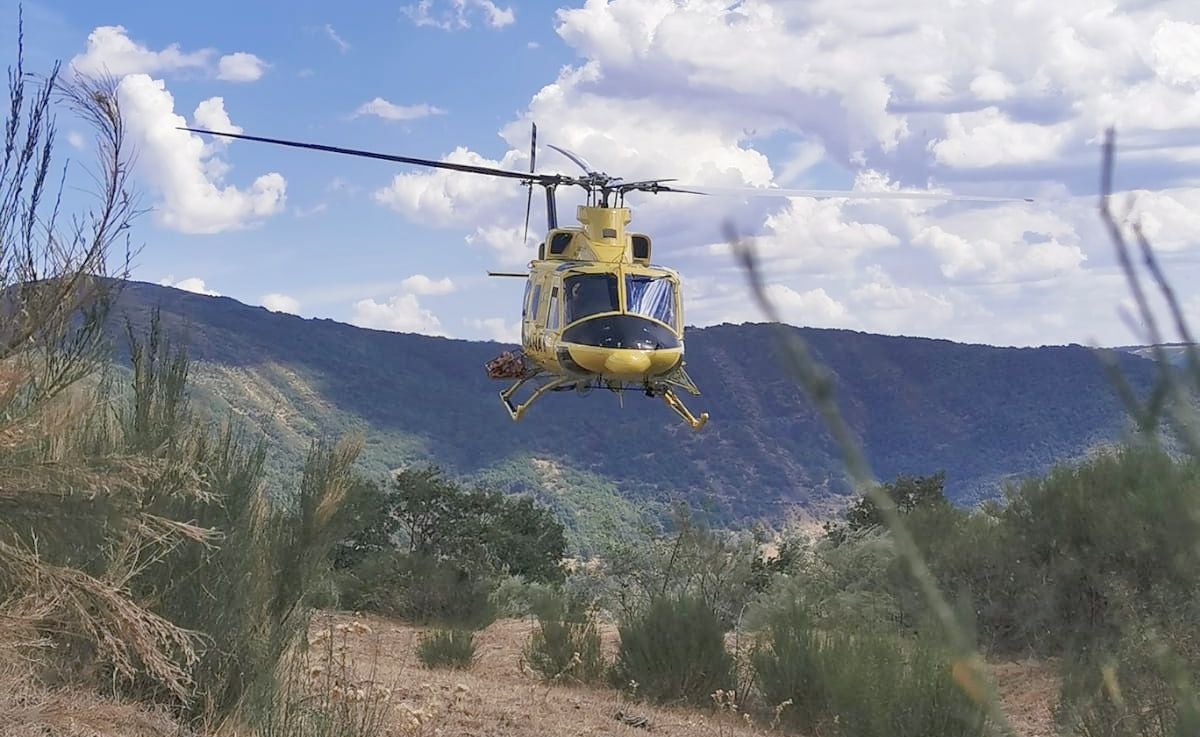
(597, 312)
(618, 322)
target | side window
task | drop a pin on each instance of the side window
(525, 299)
(552, 318)
(535, 303)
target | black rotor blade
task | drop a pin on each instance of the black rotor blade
(529, 199)
(469, 168)
(579, 160)
(750, 192)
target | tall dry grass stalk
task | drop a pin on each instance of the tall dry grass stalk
(74, 528)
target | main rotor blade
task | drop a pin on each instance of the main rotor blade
(469, 168)
(529, 198)
(587, 168)
(835, 194)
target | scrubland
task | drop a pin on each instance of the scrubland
(153, 583)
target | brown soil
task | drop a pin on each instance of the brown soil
(495, 697)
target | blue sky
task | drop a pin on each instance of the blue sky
(989, 98)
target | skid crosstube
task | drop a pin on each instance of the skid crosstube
(516, 411)
(511, 366)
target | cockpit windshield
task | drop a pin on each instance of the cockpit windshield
(651, 296)
(589, 294)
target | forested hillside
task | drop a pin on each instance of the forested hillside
(979, 413)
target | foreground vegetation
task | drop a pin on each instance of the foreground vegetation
(145, 560)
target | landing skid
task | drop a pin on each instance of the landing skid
(514, 366)
(516, 411)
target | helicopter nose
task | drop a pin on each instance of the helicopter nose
(627, 363)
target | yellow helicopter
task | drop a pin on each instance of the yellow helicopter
(596, 312)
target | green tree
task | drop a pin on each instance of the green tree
(908, 493)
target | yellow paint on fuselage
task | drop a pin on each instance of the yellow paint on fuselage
(626, 364)
(601, 246)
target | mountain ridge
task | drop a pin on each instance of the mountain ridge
(981, 413)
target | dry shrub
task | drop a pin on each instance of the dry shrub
(447, 648)
(323, 693)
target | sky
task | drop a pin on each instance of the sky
(963, 96)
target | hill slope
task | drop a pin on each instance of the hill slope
(918, 405)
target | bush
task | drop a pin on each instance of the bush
(566, 645)
(515, 597)
(1145, 686)
(788, 668)
(674, 652)
(860, 683)
(443, 648)
(1109, 542)
(417, 589)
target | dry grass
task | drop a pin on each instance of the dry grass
(496, 697)
(28, 710)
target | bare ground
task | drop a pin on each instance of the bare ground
(495, 697)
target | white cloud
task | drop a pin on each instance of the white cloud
(191, 284)
(880, 304)
(506, 243)
(421, 284)
(211, 115)
(1175, 48)
(333, 36)
(1170, 219)
(814, 236)
(455, 17)
(445, 198)
(110, 50)
(497, 329)
(989, 138)
(402, 313)
(381, 108)
(183, 169)
(317, 209)
(281, 303)
(240, 67)
(76, 140)
(814, 308)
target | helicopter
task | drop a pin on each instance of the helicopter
(597, 312)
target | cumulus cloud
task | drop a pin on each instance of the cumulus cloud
(183, 167)
(421, 284)
(497, 329)
(191, 284)
(381, 108)
(815, 236)
(988, 137)
(402, 313)
(433, 13)
(814, 307)
(277, 302)
(110, 50)
(984, 98)
(442, 197)
(240, 67)
(1003, 244)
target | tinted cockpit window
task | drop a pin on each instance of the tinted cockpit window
(651, 296)
(589, 294)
